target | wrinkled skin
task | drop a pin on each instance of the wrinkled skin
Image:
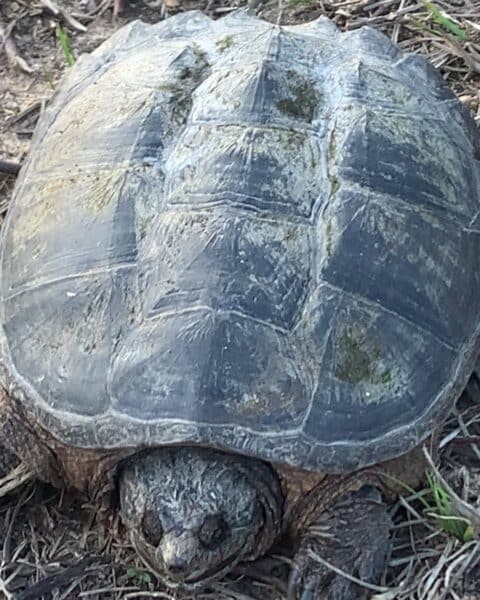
(190, 517)
(194, 513)
(354, 537)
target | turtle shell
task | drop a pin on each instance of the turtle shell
(259, 238)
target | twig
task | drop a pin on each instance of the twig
(117, 7)
(24, 497)
(365, 584)
(27, 112)
(12, 52)
(162, 595)
(57, 11)
(9, 167)
(17, 477)
(108, 590)
(3, 588)
(48, 584)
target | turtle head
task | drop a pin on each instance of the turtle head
(194, 513)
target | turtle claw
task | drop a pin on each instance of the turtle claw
(311, 581)
(323, 587)
(358, 545)
(302, 584)
(308, 594)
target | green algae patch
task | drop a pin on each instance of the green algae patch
(224, 43)
(334, 185)
(329, 238)
(302, 100)
(359, 361)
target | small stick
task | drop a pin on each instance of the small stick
(61, 12)
(48, 584)
(12, 52)
(117, 7)
(36, 106)
(4, 590)
(25, 495)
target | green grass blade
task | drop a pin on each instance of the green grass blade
(408, 488)
(64, 40)
(444, 513)
(445, 22)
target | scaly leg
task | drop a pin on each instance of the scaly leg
(354, 537)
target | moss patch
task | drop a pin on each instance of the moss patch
(334, 185)
(329, 238)
(358, 361)
(303, 98)
(179, 99)
(332, 147)
(224, 43)
(179, 89)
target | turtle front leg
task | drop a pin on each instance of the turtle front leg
(22, 455)
(354, 537)
(8, 461)
(13, 473)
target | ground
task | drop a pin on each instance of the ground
(51, 543)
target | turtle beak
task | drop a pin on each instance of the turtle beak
(178, 552)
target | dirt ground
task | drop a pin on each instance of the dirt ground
(51, 545)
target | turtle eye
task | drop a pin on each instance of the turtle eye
(213, 531)
(152, 527)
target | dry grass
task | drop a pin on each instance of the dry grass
(52, 546)
(428, 561)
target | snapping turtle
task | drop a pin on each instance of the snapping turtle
(239, 285)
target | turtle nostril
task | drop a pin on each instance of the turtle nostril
(176, 566)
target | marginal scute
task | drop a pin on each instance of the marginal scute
(258, 238)
(367, 367)
(322, 29)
